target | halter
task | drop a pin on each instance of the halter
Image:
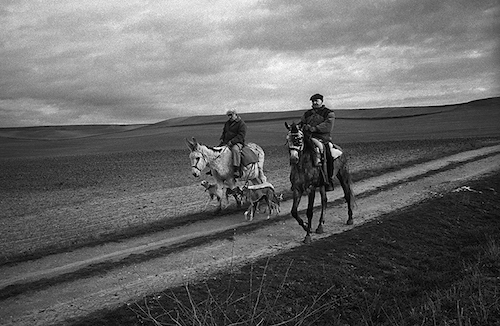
(195, 166)
(205, 158)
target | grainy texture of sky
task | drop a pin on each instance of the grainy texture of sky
(139, 61)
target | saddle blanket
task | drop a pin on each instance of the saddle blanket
(334, 151)
(248, 156)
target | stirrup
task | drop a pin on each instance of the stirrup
(318, 159)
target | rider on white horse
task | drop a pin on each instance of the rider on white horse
(233, 136)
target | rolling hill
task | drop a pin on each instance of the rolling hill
(480, 118)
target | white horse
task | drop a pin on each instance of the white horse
(220, 162)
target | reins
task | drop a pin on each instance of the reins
(205, 156)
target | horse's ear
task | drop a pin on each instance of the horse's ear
(287, 125)
(191, 144)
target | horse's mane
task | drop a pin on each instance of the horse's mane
(213, 148)
(308, 144)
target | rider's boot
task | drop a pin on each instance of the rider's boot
(317, 157)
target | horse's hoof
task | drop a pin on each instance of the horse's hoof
(319, 230)
(307, 239)
(350, 222)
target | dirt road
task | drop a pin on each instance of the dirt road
(76, 283)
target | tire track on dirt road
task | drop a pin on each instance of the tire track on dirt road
(197, 250)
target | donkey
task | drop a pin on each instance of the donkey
(306, 177)
(219, 160)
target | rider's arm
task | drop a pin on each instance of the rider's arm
(240, 137)
(326, 126)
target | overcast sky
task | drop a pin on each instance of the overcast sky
(139, 61)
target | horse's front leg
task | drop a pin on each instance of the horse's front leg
(324, 202)
(297, 195)
(310, 208)
(222, 193)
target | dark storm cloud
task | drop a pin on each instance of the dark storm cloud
(73, 62)
(353, 24)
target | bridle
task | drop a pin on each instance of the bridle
(205, 158)
(295, 140)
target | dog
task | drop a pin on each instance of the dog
(213, 192)
(237, 193)
(261, 193)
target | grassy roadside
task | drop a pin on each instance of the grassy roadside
(437, 263)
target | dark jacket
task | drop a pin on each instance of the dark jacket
(321, 122)
(234, 132)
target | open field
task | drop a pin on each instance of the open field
(65, 192)
(67, 189)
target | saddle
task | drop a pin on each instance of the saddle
(248, 156)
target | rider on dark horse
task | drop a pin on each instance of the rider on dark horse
(318, 121)
(233, 136)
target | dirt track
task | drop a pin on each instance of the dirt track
(176, 256)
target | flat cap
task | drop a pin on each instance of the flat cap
(316, 96)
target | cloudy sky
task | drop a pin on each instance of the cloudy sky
(144, 61)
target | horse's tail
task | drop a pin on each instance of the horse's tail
(261, 155)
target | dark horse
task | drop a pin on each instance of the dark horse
(306, 177)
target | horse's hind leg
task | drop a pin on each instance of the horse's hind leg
(324, 201)
(345, 182)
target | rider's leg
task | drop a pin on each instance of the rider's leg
(236, 151)
(318, 147)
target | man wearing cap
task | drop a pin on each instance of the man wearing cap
(319, 122)
(233, 136)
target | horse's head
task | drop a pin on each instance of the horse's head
(197, 158)
(295, 141)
